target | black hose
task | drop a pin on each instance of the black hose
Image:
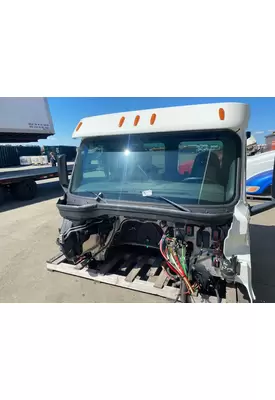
(183, 292)
(219, 300)
(183, 295)
(106, 245)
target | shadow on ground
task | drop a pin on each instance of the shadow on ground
(45, 191)
(263, 262)
(262, 242)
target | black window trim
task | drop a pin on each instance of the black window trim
(74, 199)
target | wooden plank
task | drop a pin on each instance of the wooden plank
(161, 280)
(57, 259)
(116, 280)
(127, 263)
(141, 260)
(145, 268)
(79, 265)
(143, 275)
(154, 267)
(167, 292)
(106, 268)
(152, 271)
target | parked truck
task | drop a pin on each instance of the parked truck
(133, 218)
(24, 120)
(259, 175)
(252, 147)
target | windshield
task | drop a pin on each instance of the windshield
(197, 168)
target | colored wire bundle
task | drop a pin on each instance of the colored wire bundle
(179, 267)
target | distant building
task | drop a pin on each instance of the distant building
(270, 141)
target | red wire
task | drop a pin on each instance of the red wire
(168, 262)
(181, 273)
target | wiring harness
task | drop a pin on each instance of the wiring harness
(174, 252)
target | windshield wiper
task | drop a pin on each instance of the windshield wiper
(98, 196)
(148, 193)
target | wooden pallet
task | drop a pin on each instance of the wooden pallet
(129, 271)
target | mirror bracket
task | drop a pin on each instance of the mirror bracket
(63, 172)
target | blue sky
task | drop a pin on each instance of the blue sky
(66, 111)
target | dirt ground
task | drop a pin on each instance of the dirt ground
(27, 239)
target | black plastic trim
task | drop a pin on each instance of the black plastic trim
(95, 210)
(259, 208)
(194, 135)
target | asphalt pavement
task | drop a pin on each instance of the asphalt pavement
(27, 239)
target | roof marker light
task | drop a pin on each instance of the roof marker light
(78, 126)
(221, 114)
(136, 121)
(121, 122)
(153, 119)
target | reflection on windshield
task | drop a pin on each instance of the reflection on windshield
(198, 171)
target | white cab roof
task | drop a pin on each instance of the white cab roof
(170, 119)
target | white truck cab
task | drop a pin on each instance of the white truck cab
(168, 180)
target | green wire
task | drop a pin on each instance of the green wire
(183, 263)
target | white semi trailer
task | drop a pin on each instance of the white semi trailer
(24, 120)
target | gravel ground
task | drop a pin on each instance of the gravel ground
(27, 239)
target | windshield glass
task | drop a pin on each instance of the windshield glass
(188, 168)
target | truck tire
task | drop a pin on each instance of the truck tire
(237, 293)
(25, 190)
(2, 195)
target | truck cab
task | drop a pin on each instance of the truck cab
(129, 188)
(252, 147)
